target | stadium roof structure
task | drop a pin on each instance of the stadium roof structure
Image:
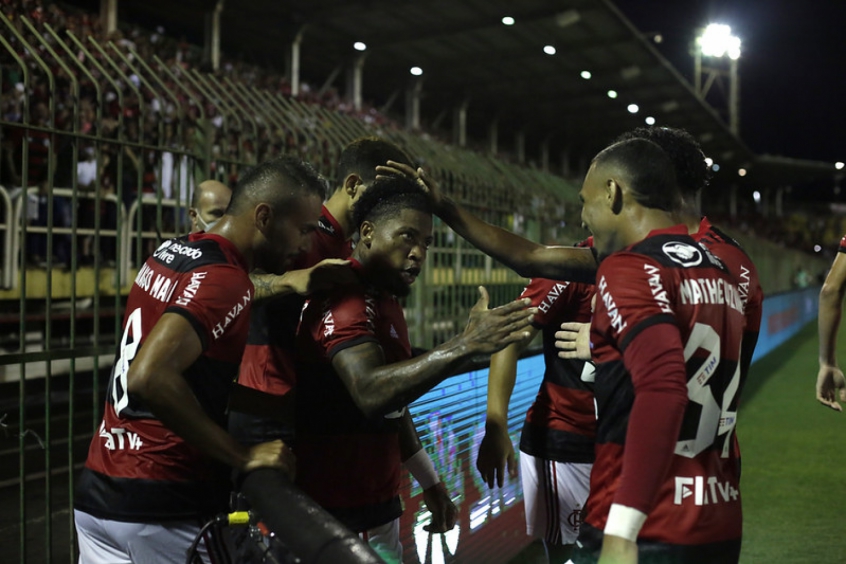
(502, 72)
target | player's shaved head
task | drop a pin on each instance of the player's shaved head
(646, 170)
(276, 182)
(214, 186)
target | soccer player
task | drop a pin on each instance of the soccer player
(557, 441)
(208, 204)
(356, 374)
(692, 175)
(666, 339)
(158, 465)
(268, 363)
(830, 381)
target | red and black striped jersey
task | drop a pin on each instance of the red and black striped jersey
(668, 278)
(138, 469)
(348, 463)
(744, 271)
(268, 363)
(561, 423)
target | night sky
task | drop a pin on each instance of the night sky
(792, 67)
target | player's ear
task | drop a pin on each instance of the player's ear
(263, 217)
(614, 193)
(351, 184)
(366, 233)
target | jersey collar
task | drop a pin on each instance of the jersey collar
(228, 247)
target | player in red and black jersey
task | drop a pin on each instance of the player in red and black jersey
(557, 442)
(158, 463)
(831, 384)
(666, 339)
(268, 363)
(356, 374)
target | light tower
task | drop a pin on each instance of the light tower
(715, 44)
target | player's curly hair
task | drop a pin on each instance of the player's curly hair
(692, 172)
(387, 196)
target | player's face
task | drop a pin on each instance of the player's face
(397, 249)
(290, 234)
(597, 214)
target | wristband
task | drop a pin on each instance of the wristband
(624, 522)
(421, 467)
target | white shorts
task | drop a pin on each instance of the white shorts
(385, 540)
(554, 494)
(102, 541)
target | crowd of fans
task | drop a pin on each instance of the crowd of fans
(158, 129)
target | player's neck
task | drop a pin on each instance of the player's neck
(642, 220)
(338, 206)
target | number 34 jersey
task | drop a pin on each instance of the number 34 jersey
(138, 469)
(670, 278)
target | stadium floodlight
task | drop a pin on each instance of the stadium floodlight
(507, 20)
(650, 120)
(717, 41)
(633, 108)
(709, 161)
(715, 167)
(416, 71)
(549, 49)
(741, 172)
(359, 46)
(817, 248)
(586, 75)
(839, 166)
(612, 94)
(756, 196)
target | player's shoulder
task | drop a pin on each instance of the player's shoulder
(671, 250)
(184, 254)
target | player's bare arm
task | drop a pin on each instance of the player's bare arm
(325, 274)
(830, 380)
(417, 461)
(525, 257)
(378, 389)
(155, 377)
(496, 453)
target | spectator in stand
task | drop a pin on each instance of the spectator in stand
(208, 204)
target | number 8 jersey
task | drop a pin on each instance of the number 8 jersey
(138, 469)
(694, 510)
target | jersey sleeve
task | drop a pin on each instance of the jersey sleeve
(630, 296)
(211, 298)
(346, 321)
(557, 300)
